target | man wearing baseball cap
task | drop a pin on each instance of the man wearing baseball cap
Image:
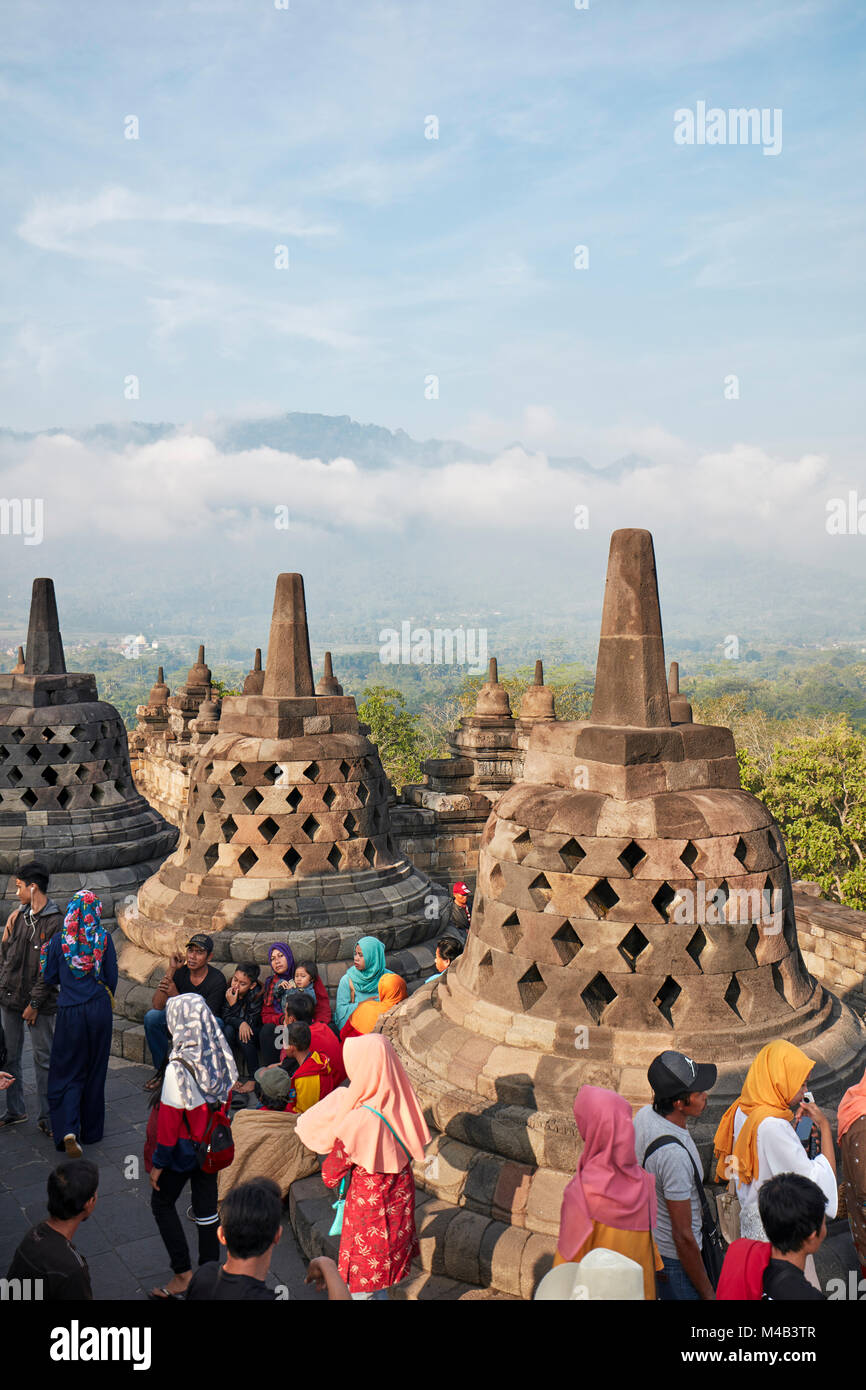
(193, 976)
(679, 1088)
(456, 921)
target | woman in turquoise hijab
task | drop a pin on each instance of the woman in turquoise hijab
(361, 980)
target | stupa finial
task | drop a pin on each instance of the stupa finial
(19, 667)
(289, 670)
(539, 674)
(630, 684)
(44, 643)
(674, 678)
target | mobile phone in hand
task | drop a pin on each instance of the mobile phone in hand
(804, 1127)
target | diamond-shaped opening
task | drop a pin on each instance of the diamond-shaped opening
(268, 829)
(350, 823)
(63, 798)
(17, 735)
(485, 966)
(631, 946)
(81, 772)
(32, 755)
(64, 750)
(228, 828)
(30, 798)
(540, 892)
(597, 995)
(200, 824)
(522, 845)
(119, 786)
(50, 776)
(370, 853)
(15, 776)
(696, 946)
(48, 735)
(496, 880)
(572, 854)
(248, 860)
(344, 769)
(311, 771)
(789, 929)
(310, 826)
(329, 796)
(511, 930)
(566, 943)
(253, 800)
(76, 733)
(334, 857)
(97, 794)
(103, 730)
(717, 902)
(238, 773)
(118, 744)
(663, 900)
(294, 798)
(732, 994)
(272, 774)
(217, 796)
(631, 856)
(690, 855)
(602, 898)
(752, 940)
(531, 987)
(291, 859)
(666, 998)
(741, 849)
(779, 985)
(362, 793)
(211, 855)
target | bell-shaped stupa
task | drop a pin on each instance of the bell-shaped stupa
(67, 797)
(286, 834)
(631, 897)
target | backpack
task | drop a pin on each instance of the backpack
(217, 1149)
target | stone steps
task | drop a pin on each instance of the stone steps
(463, 1255)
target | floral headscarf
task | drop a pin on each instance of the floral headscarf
(83, 936)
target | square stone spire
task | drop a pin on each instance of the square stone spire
(630, 684)
(44, 644)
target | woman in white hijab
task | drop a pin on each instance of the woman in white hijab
(199, 1074)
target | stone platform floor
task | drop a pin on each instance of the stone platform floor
(120, 1242)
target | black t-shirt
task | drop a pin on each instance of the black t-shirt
(212, 988)
(47, 1255)
(212, 1284)
(785, 1282)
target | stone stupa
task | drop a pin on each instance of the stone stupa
(631, 897)
(67, 797)
(286, 834)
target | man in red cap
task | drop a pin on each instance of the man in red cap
(456, 923)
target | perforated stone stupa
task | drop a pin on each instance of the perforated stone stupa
(286, 834)
(631, 897)
(67, 796)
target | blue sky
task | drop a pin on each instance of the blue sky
(409, 256)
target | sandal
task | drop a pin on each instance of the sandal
(162, 1295)
(44, 1128)
(154, 1083)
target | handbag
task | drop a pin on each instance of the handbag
(712, 1242)
(216, 1149)
(728, 1208)
(340, 1204)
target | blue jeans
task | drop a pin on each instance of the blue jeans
(678, 1287)
(158, 1037)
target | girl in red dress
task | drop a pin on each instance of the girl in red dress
(371, 1131)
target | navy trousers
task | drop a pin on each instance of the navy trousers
(77, 1070)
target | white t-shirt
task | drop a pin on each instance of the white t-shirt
(780, 1151)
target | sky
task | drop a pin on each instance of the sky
(283, 235)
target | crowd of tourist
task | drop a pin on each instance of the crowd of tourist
(321, 1086)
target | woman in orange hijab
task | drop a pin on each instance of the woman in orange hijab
(756, 1137)
(392, 991)
(852, 1142)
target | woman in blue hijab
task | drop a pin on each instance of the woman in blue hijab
(361, 980)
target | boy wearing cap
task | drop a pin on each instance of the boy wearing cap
(679, 1088)
(195, 976)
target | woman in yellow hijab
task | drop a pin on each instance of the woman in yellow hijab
(756, 1137)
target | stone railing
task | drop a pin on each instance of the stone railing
(833, 942)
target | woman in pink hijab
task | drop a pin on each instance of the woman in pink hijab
(611, 1201)
(371, 1130)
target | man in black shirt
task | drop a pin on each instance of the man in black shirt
(792, 1211)
(46, 1253)
(195, 976)
(251, 1228)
